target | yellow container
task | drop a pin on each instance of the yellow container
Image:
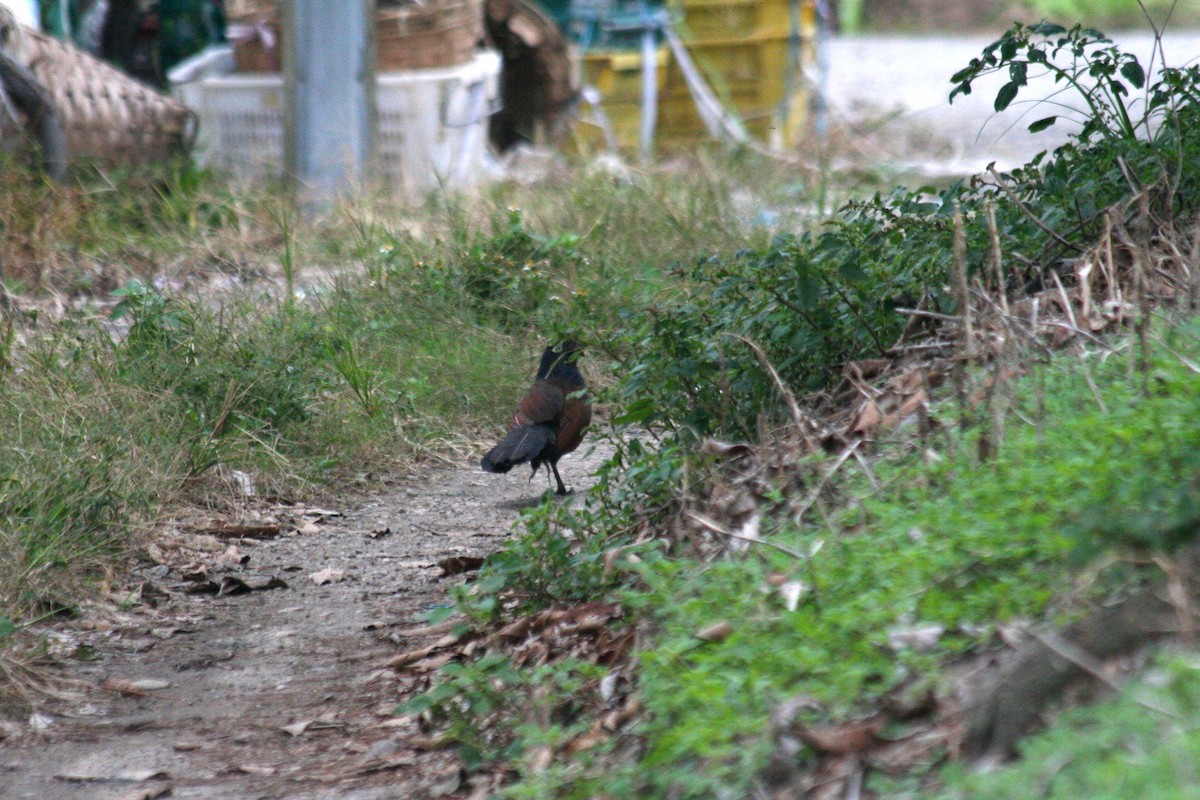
(617, 76)
(747, 55)
(724, 19)
(746, 51)
(778, 126)
(757, 64)
(751, 76)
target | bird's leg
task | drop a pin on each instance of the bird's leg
(561, 488)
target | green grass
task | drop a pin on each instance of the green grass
(358, 344)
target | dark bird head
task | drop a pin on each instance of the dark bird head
(560, 362)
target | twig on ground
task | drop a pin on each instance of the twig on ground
(1177, 593)
(997, 256)
(719, 529)
(820, 487)
(1029, 214)
(803, 422)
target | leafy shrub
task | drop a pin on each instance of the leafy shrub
(817, 301)
(486, 687)
(812, 302)
(511, 273)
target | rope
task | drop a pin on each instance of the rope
(719, 121)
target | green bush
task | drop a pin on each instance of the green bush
(816, 301)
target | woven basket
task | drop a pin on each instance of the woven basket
(439, 33)
(434, 33)
(256, 43)
(106, 114)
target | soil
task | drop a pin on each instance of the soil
(236, 670)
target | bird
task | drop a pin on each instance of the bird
(550, 420)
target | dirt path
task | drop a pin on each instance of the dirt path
(241, 667)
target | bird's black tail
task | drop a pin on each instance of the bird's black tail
(521, 446)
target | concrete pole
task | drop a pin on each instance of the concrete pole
(329, 91)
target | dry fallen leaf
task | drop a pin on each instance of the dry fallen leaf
(255, 769)
(849, 737)
(296, 728)
(327, 575)
(791, 592)
(717, 632)
(132, 776)
(866, 423)
(541, 759)
(586, 741)
(121, 686)
(712, 447)
(148, 793)
(308, 528)
(236, 584)
(921, 638)
(167, 633)
(866, 368)
(232, 557)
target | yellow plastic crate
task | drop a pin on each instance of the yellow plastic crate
(743, 48)
(751, 75)
(617, 76)
(726, 19)
(754, 64)
(679, 123)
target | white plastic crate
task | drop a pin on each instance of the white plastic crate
(432, 122)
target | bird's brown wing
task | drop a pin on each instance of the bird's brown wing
(542, 403)
(576, 416)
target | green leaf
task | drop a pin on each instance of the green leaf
(439, 613)
(851, 271)
(638, 411)
(1042, 124)
(471, 755)
(1048, 29)
(7, 627)
(1132, 71)
(1016, 71)
(1006, 95)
